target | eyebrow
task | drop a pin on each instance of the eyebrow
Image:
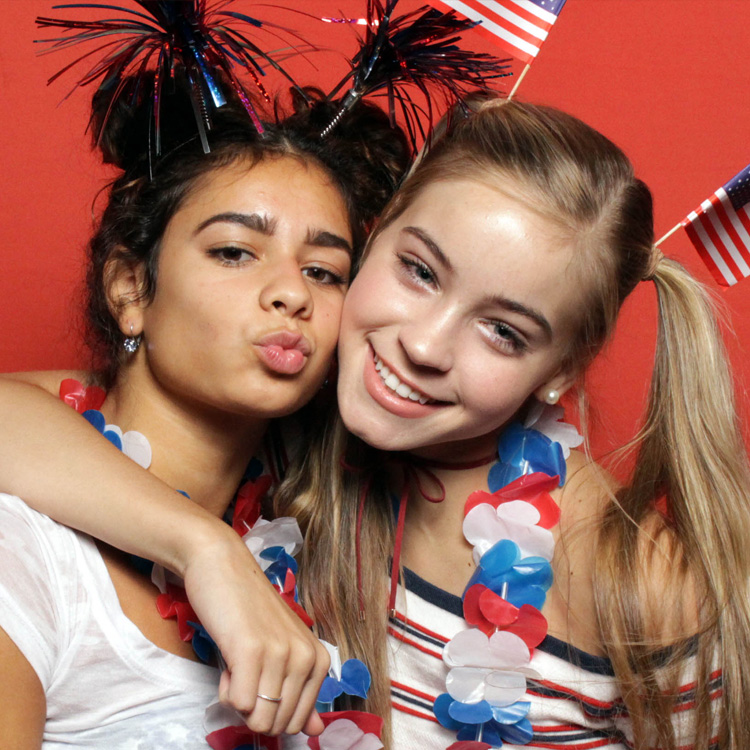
(321, 238)
(267, 226)
(498, 301)
(256, 222)
(528, 312)
(431, 245)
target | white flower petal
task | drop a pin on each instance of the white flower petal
(520, 512)
(333, 652)
(545, 418)
(136, 447)
(472, 648)
(504, 688)
(344, 734)
(507, 651)
(282, 532)
(466, 684)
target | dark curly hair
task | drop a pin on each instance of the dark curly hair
(366, 158)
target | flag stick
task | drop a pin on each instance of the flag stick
(518, 82)
(669, 234)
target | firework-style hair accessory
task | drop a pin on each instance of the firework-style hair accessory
(200, 39)
(418, 48)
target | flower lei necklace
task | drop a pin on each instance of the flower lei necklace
(509, 529)
(273, 544)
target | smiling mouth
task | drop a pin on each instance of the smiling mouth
(400, 388)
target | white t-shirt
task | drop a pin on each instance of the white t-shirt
(107, 686)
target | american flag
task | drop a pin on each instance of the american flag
(720, 230)
(518, 26)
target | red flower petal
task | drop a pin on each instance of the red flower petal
(533, 488)
(174, 604)
(477, 498)
(73, 393)
(295, 607)
(230, 738)
(247, 506)
(530, 627)
(497, 610)
(472, 612)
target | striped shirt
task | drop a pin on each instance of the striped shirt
(577, 704)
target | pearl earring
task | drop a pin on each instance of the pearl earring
(131, 343)
(551, 396)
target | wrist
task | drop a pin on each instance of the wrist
(202, 536)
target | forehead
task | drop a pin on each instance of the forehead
(285, 187)
(497, 243)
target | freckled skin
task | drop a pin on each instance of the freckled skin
(442, 329)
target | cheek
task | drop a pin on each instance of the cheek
(493, 389)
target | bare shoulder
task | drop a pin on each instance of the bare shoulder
(587, 490)
(48, 380)
(23, 705)
(571, 608)
(667, 587)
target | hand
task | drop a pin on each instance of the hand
(267, 648)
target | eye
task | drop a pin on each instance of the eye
(231, 255)
(505, 337)
(417, 271)
(325, 276)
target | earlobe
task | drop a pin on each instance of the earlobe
(123, 283)
(555, 387)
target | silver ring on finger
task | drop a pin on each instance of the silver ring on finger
(269, 698)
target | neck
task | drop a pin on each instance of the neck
(431, 526)
(197, 450)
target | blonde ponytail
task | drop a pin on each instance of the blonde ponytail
(690, 451)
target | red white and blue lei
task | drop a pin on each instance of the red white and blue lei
(509, 529)
(273, 544)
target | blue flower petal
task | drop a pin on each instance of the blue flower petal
(535, 596)
(511, 714)
(441, 707)
(279, 555)
(470, 713)
(490, 735)
(203, 645)
(329, 690)
(501, 557)
(517, 734)
(253, 471)
(113, 438)
(525, 451)
(95, 418)
(355, 678)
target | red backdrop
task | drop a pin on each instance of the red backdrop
(666, 80)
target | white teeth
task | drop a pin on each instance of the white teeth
(392, 381)
(402, 389)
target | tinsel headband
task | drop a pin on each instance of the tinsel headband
(415, 52)
(202, 39)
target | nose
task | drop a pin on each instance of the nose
(286, 290)
(429, 340)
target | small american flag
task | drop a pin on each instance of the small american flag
(720, 230)
(518, 26)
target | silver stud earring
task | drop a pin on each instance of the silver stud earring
(551, 396)
(131, 343)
